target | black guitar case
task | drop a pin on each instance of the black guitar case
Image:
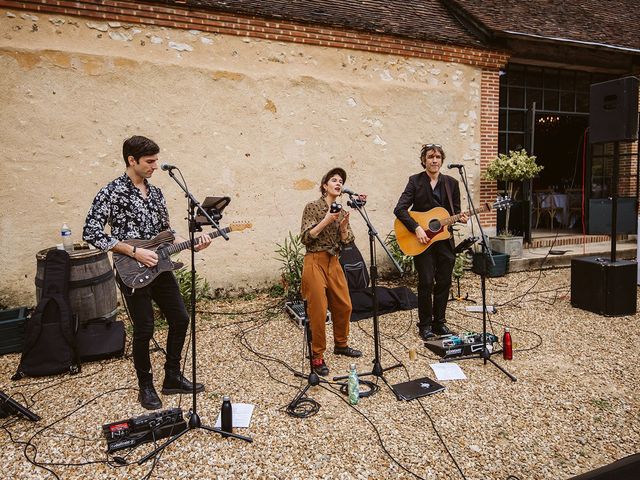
(50, 332)
(389, 299)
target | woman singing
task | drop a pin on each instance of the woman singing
(324, 230)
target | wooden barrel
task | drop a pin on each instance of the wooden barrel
(92, 286)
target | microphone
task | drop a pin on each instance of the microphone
(167, 167)
(348, 191)
(455, 165)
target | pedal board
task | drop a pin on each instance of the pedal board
(145, 428)
(466, 343)
(296, 312)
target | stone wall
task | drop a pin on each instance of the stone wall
(255, 119)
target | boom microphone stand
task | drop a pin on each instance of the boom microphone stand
(481, 264)
(194, 225)
(377, 371)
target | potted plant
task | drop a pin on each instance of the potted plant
(511, 169)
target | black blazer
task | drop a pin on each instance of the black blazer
(418, 197)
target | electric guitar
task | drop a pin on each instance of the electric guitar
(435, 223)
(137, 275)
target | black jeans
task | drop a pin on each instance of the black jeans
(165, 292)
(434, 266)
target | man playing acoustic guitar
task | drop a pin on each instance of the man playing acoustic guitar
(135, 209)
(425, 191)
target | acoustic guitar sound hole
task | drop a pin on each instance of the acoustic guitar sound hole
(435, 225)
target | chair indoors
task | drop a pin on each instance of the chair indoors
(574, 201)
(389, 299)
(545, 205)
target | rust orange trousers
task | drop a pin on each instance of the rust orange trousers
(324, 286)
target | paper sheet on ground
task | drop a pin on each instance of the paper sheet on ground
(241, 415)
(448, 371)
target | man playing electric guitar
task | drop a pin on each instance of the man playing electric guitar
(135, 209)
(424, 191)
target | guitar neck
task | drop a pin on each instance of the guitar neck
(455, 218)
(178, 247)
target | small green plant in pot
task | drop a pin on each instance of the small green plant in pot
(512, 169)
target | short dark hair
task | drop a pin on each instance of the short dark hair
(430, 146)
(334, 171)
(138, 146)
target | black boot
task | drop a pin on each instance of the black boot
(425, 332)
(175, 382)
(440, 328)
(148, 397)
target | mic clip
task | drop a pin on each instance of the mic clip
(356, 203)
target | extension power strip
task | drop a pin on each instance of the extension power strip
(478, 309)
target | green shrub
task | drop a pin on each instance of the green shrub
(405, 261)
(291, 256)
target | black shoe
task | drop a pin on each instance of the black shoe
(320, 368)
(441, 329)
(426, 333)
(347, 351)
(176, 383)
(148, 397)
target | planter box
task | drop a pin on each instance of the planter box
(512, 246)
(498, 270)
(12, 323)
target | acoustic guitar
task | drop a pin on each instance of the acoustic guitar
(435, 223)
(137, 275)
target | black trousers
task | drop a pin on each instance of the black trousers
(434, 267)
(165, 292)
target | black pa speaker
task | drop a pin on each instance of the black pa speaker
(602, 286)
(613, 111)
(627, 468)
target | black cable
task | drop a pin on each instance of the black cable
(304, 407)
(377, 432)
(29, 446)
(432, 423)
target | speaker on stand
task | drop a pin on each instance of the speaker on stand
(604, 285)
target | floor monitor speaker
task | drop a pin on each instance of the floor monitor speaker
(602, 286)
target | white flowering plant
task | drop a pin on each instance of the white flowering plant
(512, 168)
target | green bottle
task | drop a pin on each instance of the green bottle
(353, 385)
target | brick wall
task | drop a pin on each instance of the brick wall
(489, 109)
(628, 169)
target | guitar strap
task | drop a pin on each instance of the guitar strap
(447, 189)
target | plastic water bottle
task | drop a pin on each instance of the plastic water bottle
(226, 415)
(353, 385)
(507, 347)
(67, 241)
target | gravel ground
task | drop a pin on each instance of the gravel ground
(574, 407)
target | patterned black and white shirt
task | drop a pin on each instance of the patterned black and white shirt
(128, 213)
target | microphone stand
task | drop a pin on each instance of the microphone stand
(377, 370)
(194, 225)
(481, 267)
(313, 379)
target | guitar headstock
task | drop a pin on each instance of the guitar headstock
(502, 202)
(239, 226)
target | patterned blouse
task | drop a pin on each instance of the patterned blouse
(129, 214)
(328, 240)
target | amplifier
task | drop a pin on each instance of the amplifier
(145, 428)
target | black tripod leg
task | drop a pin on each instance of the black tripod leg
(154, 452)
(227, 434)
(502, 369)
